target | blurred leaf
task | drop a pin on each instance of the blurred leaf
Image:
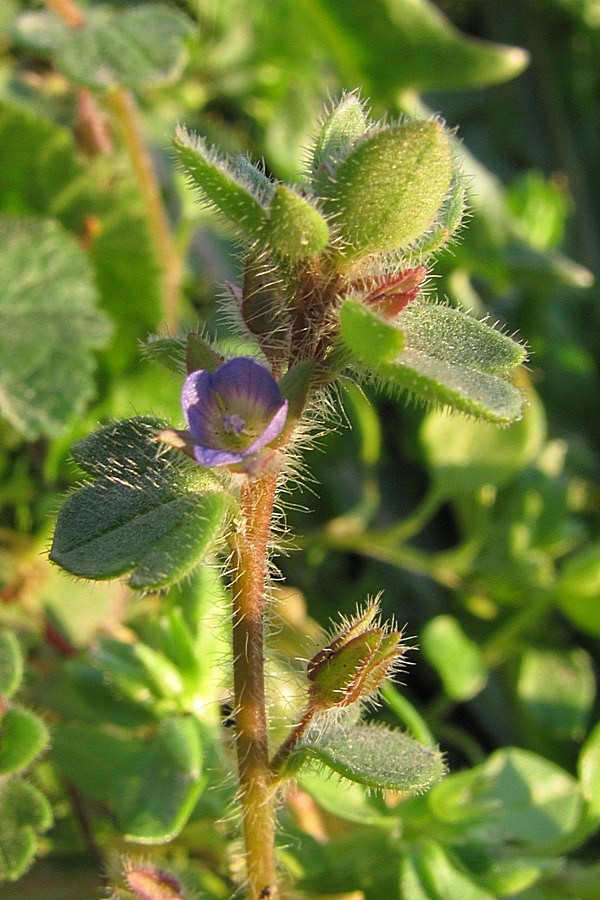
(92, 758)
(456, 658)
(426, 50)
(136, 48)
(427, 873)
(557, 690)
(350, 801)
(589, 771)
(23, 736)
(372, 755)
(157, 790)
(50, 324)
(463, 455)
(153, 515)
(367, 335)
(11, 664)
(25, 813)
(514, 797)
(578, 589)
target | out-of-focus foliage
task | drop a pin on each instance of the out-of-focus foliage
(487, 540)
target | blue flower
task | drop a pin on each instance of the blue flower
(232, 413)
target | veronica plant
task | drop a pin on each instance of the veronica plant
(332, 288)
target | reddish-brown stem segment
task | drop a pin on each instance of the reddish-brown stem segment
(257, 786)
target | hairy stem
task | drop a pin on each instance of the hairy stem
(124, 109)
(257, 786)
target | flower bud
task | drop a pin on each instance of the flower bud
(354, 664)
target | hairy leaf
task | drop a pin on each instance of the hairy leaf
(152, 515)
(372, 755)
(49, 326)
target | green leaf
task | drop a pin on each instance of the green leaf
(578, 589)
(385, 194)
(137, 48)
(221, 186)
(25, 813)
(157, 790)
(50, 325)
(367, 335)
(427, 50)
(589, 771)
(350, 801)
(151, 515)
(11, 664)
(557, 690)
(427, 871)
(450, 359)
(92, 758)
(372, 755)
(456, 658)
(23, 736)
(463, 455)
(514, 797)
(296, 229)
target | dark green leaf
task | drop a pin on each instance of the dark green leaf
(155, 516)
(49, 326)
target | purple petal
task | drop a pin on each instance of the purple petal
(273, 430)
(245, 384)
(209, 457)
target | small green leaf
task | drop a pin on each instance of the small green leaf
(350, 801)
(557, 690)
(157, 790)
(11, 664)
(578, 589)
(92, 758)
(296, 229)
(221, 186)
(23, 736)
(372, 755)
(387, 191)
(589, 771)
(50, 325)
(137, 48)
(367, 335)
(151, 515)
(427, 871)
(25, 813)
(455, 657)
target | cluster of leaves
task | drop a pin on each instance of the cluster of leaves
(497, 567)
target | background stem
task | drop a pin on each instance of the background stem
(257, 787)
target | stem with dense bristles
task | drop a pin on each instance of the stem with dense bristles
(257, 786)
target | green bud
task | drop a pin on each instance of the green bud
(388, 191)
(353, 665)
(296, 229)
(345, 124)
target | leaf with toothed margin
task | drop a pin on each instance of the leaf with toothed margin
(222, 185)
(372, 755)
(448, 358)
(154, 516)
